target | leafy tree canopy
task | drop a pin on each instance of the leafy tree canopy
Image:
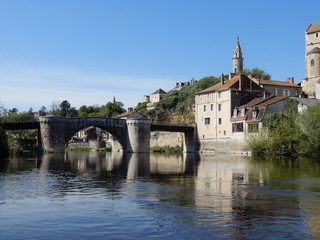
(257, 73)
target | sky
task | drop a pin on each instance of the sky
(89, 51)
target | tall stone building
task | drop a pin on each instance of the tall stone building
(311, 84)
(237, 60)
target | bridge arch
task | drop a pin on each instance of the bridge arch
(133, 134)
(114, 127)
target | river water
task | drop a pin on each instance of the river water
(141, 196)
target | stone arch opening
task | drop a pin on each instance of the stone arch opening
(94, 136)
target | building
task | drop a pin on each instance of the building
(180, 85)
(280, 88)
(214, 105)
(311, 83)
(154, 98)
(248, 118)
(304, 103)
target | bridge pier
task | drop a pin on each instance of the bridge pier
(53, 133)
(138, 140)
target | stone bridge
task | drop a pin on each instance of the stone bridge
(132, 134)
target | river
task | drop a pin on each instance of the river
(140, 196)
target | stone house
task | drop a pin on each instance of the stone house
(214, 105)
(248, 118)
(279, 88)
(154, 98)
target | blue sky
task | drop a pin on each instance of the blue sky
(87, 51)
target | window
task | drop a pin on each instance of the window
(219, 121)
(207, 121)
(211, 107)
(317, 34)
(276, 92)
(255, 112)
(312, 63)
(219, 107)
(253, 127)
(284, 92)
(243, 112)
(204, 108)
(235, 112)
(289, 93)
(237, 127)
(219, 94)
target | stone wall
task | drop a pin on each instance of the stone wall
(224, 145)
(162, 139)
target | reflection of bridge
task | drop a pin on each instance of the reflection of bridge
(132, 134)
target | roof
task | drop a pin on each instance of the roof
(133, 114)
(241, 80)
(159, 91)
(263, 102)
(278, 83)
(307, 101)
(313, 27)
(257, 105)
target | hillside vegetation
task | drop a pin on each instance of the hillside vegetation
(177, 106)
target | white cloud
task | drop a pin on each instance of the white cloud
(24, 87)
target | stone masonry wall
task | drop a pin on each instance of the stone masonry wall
(162, 139)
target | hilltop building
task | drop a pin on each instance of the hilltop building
(154, 98)
(311, 83)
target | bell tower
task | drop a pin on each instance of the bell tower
(311, 84)
(237, 60)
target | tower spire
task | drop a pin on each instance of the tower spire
(237, 60)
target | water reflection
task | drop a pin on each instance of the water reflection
(232, 197)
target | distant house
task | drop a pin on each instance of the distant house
(279, 88)
(154, 98)
(304, 103)
(248, 118)
(131, 115)
(180, 85)
(157, 95)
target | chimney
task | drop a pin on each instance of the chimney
(240, 81)
(130, 109)
(290, 80)
(222, 78)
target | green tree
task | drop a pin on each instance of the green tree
(310, 124)
(257, 73)
(112, 109)
(43, 111)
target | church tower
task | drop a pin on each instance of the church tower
(237, 60)
(311, 84)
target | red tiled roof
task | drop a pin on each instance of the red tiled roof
(263, 102)
(278, 83)
(242, 80)
(125, 114)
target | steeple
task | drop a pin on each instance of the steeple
(237, 60)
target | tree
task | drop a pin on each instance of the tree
(310, 123)
(257, 73)
(55, 109)
(113, 109)
(64, 108)
(43, 111)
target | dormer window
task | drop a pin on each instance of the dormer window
(254, 113)
(235, 112)
(243, 112)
